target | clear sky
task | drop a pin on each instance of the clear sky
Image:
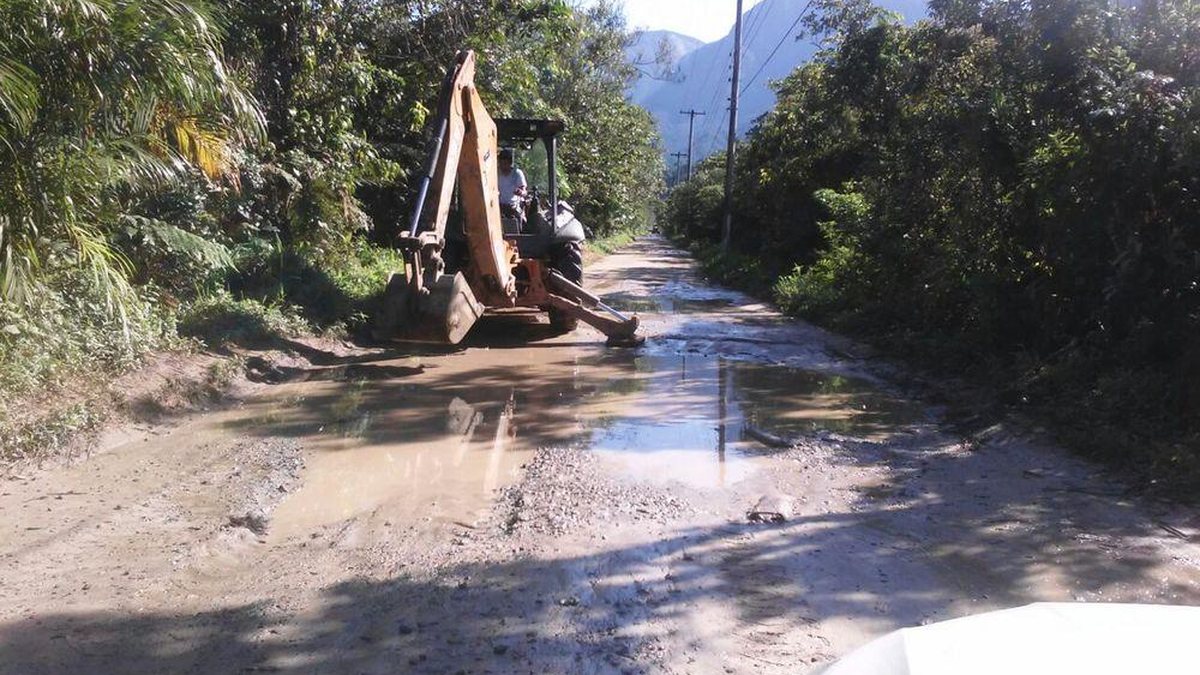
(707, 20)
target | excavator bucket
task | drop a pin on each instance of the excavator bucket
(441, 313)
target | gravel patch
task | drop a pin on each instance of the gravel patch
(564, 488)
(266, 471)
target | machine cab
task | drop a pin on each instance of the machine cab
(546, 221)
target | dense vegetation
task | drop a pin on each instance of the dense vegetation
(1009, 187)
(244, 163)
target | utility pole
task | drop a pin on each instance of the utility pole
(727, 226)
(691, 132)
(677, 156)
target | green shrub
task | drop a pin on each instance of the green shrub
(72, 326)
(731, 268)
(333, 296)
(364, 274)
(1023, 206)
(221, 318)
(820, 289)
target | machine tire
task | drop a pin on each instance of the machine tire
(567, 260)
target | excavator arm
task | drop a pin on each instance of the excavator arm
(424, 304)
(468, 154)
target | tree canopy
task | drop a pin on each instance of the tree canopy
(1011, 182)
(154, 152)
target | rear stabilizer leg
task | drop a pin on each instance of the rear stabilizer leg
(571, 299)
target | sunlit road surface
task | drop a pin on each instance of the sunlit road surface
(541, 503)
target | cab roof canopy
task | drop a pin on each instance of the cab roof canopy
(514, 130)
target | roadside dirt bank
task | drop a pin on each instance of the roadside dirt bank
(72, 422)
(539, 503)
(64, 423)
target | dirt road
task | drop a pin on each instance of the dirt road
(542, 504)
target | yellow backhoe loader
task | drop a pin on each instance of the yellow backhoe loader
(457, 269)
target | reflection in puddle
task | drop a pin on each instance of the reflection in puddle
(795, 402)
(439, 443)
(447, 470)
(684, 417)
(677, 297)
(680, 431)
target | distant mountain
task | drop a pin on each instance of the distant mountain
(656, 55)
(701, 78)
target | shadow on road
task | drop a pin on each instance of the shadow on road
(889, 533)
(927, 539)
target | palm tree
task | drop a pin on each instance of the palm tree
(99, 98)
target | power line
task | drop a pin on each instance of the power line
(786, 35)
(712, 101)
(708, 75)
(759, 19)
(712, 139)
(716, 132)
(709, 71)
(712, 105)
(709, 130)
(712, 67)
(678, 156)
(756, 24)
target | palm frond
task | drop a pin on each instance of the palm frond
(246, 113)
(207, 150)
(139, 159)
(18, 94)
(84, 9)
(101, 100)
(109, 269)
(18, 266)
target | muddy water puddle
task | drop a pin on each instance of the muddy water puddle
(628, 302)
(691, 418)
(429, 446)
(437, 442)
(676, 298)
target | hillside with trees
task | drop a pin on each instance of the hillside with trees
(1007, 189)
(699, 80)
(656, 55)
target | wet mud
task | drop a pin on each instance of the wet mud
(741, 494)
